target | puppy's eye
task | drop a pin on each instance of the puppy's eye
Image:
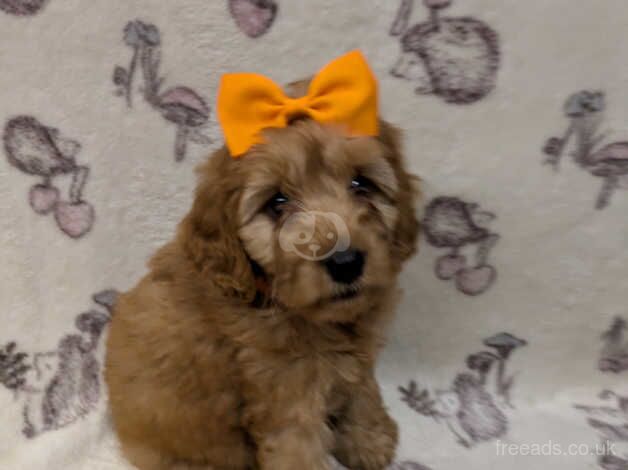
(276, 204)
(362, 186)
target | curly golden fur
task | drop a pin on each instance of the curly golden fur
(235, 353)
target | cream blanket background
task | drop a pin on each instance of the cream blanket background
(512, 329)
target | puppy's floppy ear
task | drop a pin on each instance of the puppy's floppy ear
(208, 233)
(407, 228)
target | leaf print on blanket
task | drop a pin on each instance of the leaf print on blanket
(452, 223)
(610, 421)
(584, 111)
(610, 418)
(253, 17)
(39, 150)
(22, 7)
(453, 58)
(178, 105)
(405, 465)
(474, 406)
(58, 387)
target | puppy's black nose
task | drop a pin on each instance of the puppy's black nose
(345, 266)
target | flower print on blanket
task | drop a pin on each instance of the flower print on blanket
(58, 387)
(475, 404)
(253, 17)
(454, 58)
(584, 112)
(41, 151)
(454, 224)
(179, 105)
(22, 7)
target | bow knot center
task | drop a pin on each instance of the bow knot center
(296, 108)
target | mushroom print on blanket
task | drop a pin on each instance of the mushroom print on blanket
(584, 111)
(457, 225)
(253, 17)
(454, 58)
(22, 7)
(41, 151)
(58, 387)
(475, 405)
(178, 105)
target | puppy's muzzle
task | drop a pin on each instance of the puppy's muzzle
(346, 266)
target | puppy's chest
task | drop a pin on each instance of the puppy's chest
(340, 375)
(305, 359)
(333, 356)
(318, 369)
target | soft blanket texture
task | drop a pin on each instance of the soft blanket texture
(510, 349)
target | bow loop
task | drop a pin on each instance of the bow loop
(344, 92)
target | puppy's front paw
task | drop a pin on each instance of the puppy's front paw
(367, 448)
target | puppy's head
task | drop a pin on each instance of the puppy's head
(315, 222)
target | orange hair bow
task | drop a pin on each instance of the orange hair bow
(344, 92)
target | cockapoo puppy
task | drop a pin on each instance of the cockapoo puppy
(252, 341)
